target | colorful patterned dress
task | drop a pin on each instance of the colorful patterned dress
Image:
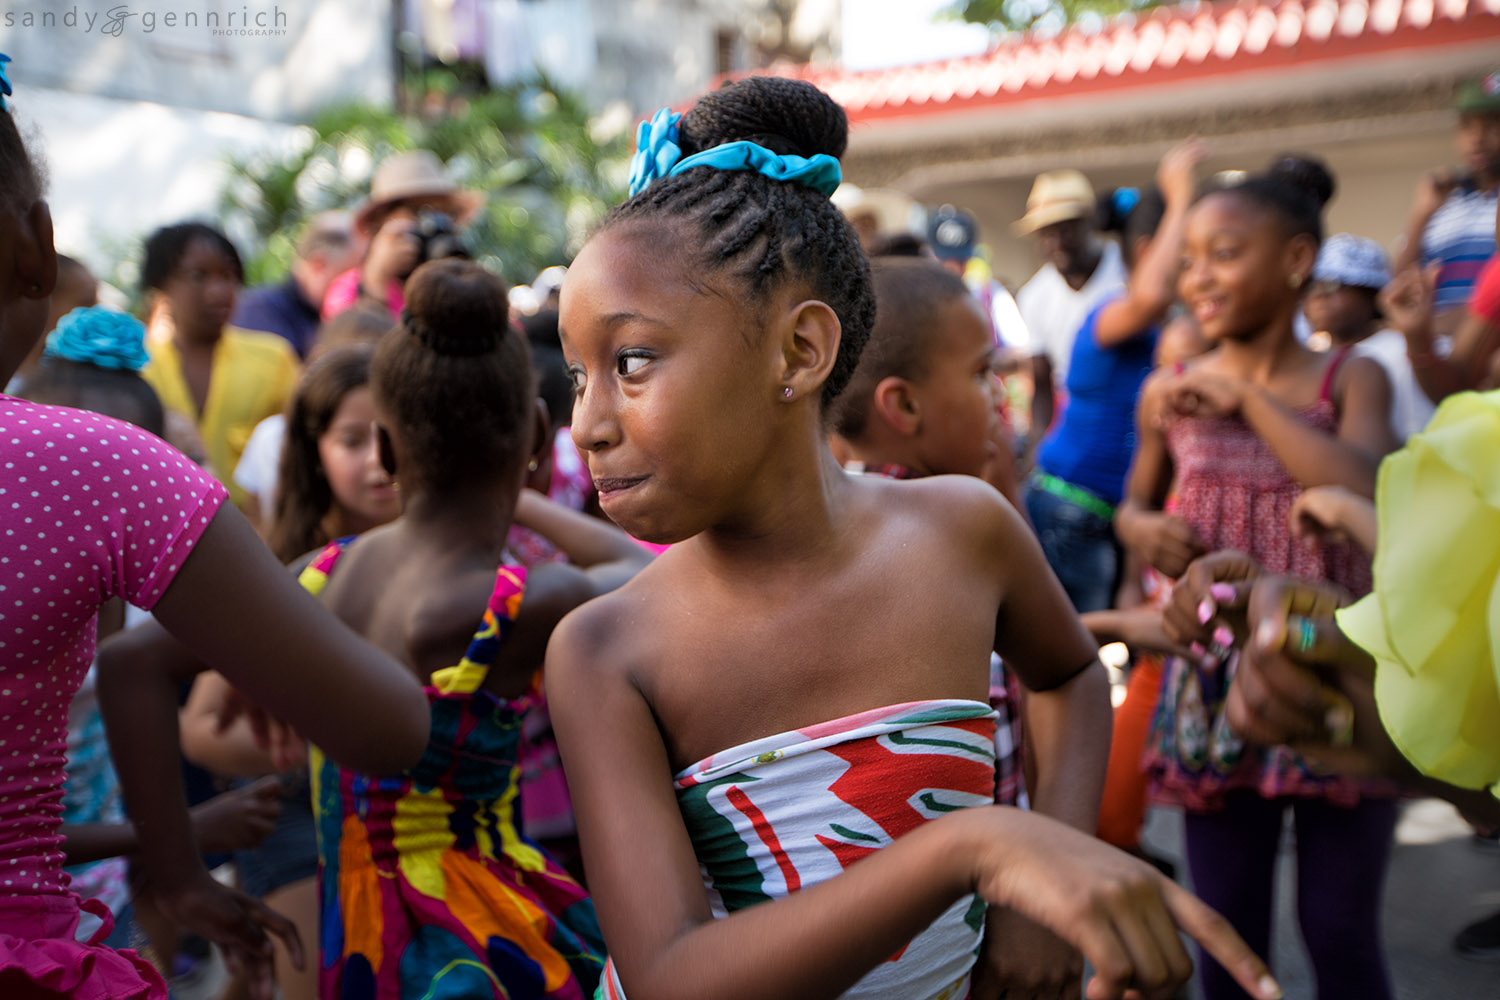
(429, 890)
(778, 814)
(1235, 492)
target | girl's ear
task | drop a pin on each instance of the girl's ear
(1302, 254)
(539, 469)
(809, 347)
(895, 402)
(387, 451)
(34, 255)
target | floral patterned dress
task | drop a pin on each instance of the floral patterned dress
(1235, 492)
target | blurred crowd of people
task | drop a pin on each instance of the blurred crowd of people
(1259, 455)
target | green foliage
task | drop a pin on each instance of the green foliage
(528, 146)
(1044, 16)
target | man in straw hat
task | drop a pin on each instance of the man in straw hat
(404, 186)
(1081, 270)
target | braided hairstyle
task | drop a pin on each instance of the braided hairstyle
(769, 233)
(456, 379)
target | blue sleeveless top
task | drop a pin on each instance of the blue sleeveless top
(1092, 444)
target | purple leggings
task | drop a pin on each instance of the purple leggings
(1341, 862)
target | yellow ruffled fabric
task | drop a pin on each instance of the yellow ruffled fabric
(1432, 620)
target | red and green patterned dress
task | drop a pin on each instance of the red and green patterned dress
(429, 891)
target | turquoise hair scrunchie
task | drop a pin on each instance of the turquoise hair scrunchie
(4, 82)
(1125, 200)
(101, 337)
(658, 155)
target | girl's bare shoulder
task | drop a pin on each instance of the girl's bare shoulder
(951, 516)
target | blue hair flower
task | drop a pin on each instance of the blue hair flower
(101, 337)
(4, 82)
(1125, 200)
(656, 150)
(658, 155)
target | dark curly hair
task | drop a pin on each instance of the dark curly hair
(455, 379)
(165, 247)
(769, 232)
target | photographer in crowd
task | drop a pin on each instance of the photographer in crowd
(413, 215)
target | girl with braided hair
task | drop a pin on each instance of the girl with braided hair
(708, 324)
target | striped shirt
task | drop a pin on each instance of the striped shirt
(1461, 237)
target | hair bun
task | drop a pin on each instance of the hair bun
(465, 344)
(1113, 209)
(456, 308)
(1307, 174)
(788, 117)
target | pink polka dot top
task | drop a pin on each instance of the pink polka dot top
(90, 508)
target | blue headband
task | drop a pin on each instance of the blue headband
(100, 337)
(4, 82)
(658, 155)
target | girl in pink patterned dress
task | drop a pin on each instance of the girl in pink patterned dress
(1235, 436)
(94, 508)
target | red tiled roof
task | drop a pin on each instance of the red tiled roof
(1166, 45)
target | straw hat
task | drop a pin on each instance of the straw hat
(1057, 195)
(412, 175)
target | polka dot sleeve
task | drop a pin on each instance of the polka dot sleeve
(122, 502)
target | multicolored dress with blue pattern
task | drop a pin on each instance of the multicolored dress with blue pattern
(429, 890)
(775, 815)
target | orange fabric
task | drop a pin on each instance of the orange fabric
(1123, 808)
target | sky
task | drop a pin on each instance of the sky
(882, 33)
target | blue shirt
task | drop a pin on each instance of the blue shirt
(1092, 445)
(278, 309)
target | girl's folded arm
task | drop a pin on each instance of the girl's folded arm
(607, 555)
(1314, 458)
(643, 872)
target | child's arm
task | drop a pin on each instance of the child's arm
(608, 554)
(1407, 305)
(1166, 542)
(235, 820)
(1068, 723)
(233, 605)
(819, 941)
(1313, 457)
(1138, 628)
(232, 751)
(1153, 283)
(1336, 511)
(1068, 711)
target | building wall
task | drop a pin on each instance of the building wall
(1380, 124)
